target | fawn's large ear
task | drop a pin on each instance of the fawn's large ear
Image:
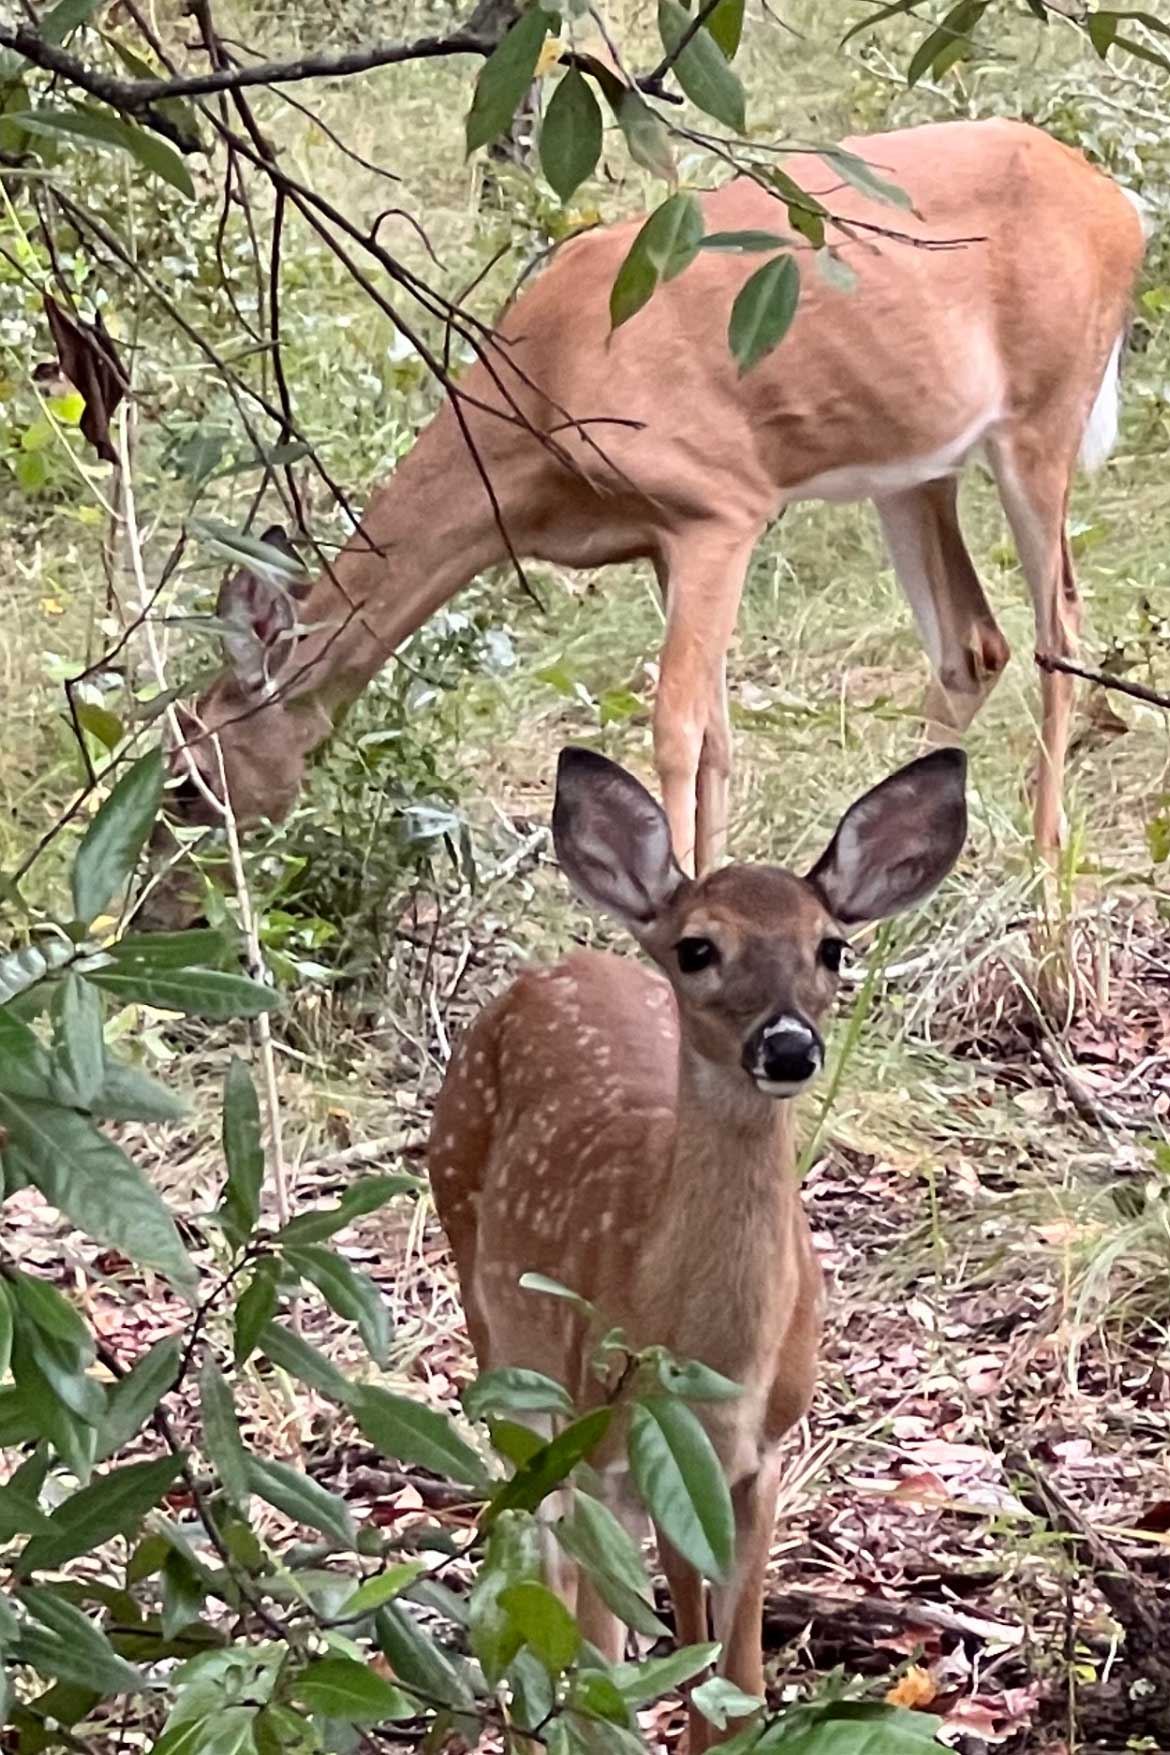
(612, 840)
(897, 842)
(256, 609)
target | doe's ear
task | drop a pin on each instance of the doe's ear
(612, 840)
(897, 842)
(257, 617)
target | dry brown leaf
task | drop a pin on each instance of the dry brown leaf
(916, 1688)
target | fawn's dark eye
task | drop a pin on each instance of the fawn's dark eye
(696, 953)
(830, 953)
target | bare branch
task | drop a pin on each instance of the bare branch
(1138, 691)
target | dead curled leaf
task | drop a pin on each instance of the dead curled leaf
(915, 1688)
(91, 364)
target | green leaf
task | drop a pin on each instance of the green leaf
(243, 1150)
(666, 244)
(22, 969)
(129, 1094)
(509, 1389)
(221, 1433)
(133, 1398)
(505, 77)
(302, 1499)
(110, 1506)
(409, 1432)
(701, 68)
(948, 42)
(720, 1700)
(92, 1181)
(554, 1289)
(682, 1484)
(595, 1538)
(292, 1354)
(763, 310)
(337, 1687)
(646, 134)
(696, 1382)
(547, 1626)
(549, 1466)
(199, 947)
(44, 1306)
(512, 1555)
(78, 1045)
(99, 722)
(862, 176)
(64, 18)
(115, 837)
(417, 1660)
(871, 18)
(249, 551)
(7, 1322)
(515, 1442)
(195, 993)
(25, 1068)
(255, 1309)
(106, 129)
(378, 1591)
(353, 1295)
(849, 1727)
(1142, 52)
(227, 1731)
(74, 1649)
(806, 214)
(570, 135)
(640, 1683)
(365, 1195)
(726, 26)
(745, 243)
(19, 1515)
(184, 1592)
(595, 1692)
(835, 271)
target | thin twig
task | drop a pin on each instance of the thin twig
(1138, 691)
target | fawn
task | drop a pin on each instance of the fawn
(632, 1135)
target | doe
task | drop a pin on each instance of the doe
(632, 1134)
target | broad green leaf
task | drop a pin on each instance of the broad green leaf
(855, 1727)
(416, 1659)
(47, 1366)
(226, 1731)
(763, 311)
(44, 1306)
(666, 244)
(640, 1683)
(25, 1068)
(645, 134)
(302, 1499)
(806, 213)
(719, 1700)
(532, 1692)
(549, 1466)
(378, 1591)
(505, 77)
(1142, 52)
(365, 1195)
(184, 1592)
(747, 243)
(863, 177)
(1102, 28)
(303, 1361)
(339, 1688)
(948, 42)
(92, 1181)
(407, 1431)
(595, 1692)
(701, 68)
(513, 1441)
(74, 1648)
(509, 1389)
(353, 1295)
(512, 1555)
(132, 1399)
(35, 1408)
(115, 837)
(106, 129)
(835, 271)
(682, 1484)
(100, 723)
(78, 1046)
(726, 26)
(696, 1382)
(129, 1094)
(111, 1505)
(196, 993)
(221, 1432)
(570, 135)
(200, 947)
(255, 1309)
(547, 1626)
(243, 1150)
(19, 1515)
(65, 18)
(595, 1538)
(249, 551)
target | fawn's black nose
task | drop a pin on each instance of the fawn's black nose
(784, 1055)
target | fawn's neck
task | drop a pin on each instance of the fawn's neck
(729, 1248)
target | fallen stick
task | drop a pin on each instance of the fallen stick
(1138, 691)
